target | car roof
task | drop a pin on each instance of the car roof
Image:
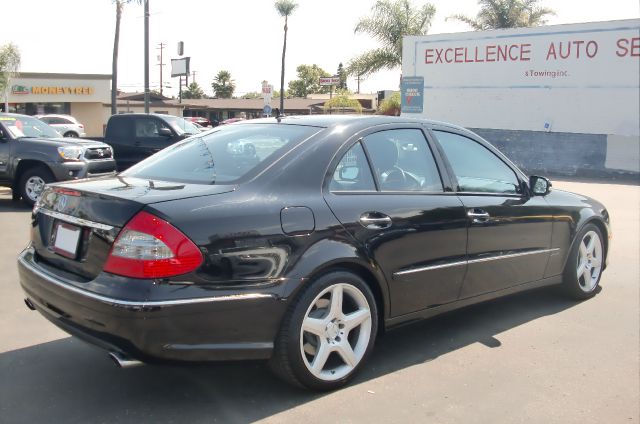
(327, 121)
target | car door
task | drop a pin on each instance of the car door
(509, 234)
(403, 214)
(5, 153)
(152, 135)
(121, 138)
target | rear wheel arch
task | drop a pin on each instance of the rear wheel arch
(378, 288)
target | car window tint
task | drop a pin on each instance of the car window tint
(477, 169)
(353, 172)
(402, 161)
(222, 156)
(120, 129)
(147, 128)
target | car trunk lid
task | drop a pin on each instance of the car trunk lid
(75, 224)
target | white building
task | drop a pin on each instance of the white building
(563, 99)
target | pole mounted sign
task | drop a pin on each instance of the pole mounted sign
(412, 94)
(329, 80)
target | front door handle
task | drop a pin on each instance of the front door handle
(375, 220)
(478, 216)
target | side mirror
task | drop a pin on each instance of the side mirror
(3, 137)
(165, 132)
(539, 186)
(349, 173)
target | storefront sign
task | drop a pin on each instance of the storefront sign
(52, 90)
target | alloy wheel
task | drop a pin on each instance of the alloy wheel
(34, 187)
(589, 261)
(335, 332)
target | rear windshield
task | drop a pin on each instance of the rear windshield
(221, 156)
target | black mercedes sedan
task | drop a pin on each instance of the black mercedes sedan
(300, 240)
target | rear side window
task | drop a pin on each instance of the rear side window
(120, 128)
(477, 169)
(223, 156)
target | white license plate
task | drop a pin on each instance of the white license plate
(66, 239)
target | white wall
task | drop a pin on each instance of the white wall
(593, 89)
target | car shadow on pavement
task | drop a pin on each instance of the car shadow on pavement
(8, 205)
(68, 381)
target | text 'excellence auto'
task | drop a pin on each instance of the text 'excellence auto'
(299, 241)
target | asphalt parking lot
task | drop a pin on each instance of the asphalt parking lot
(533, 357)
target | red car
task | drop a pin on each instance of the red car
(201, 121)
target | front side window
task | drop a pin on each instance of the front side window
(222, 156)
(353, 172)
(477, 169)
(402, 161)
(148, 128)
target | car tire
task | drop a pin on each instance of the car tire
(327, 334)
(583, 269)
(71, 134)
(32, 183)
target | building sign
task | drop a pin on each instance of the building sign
(412, 93)
(330, 81)
(52, 90)
(571, 78)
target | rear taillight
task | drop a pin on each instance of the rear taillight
(81, 126)
(150, 247)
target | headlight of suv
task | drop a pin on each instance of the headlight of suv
(70, 153)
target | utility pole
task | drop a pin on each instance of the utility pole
(358, 78)
(146, 56)
(161, 48)
(193, 73)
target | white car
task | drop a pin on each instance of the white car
(66, 125)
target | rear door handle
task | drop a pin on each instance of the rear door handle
(478, 216)
(375, 220)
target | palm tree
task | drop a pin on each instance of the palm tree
(506, 14)
(284, 8)
(114, 63)
(390, 20)
(223, 86)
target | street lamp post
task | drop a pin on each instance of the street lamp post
(146, 56)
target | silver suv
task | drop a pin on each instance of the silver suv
(66, 125)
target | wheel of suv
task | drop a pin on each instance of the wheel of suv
(70, 134)
(32, 183)
(584, 264)
(328, 333)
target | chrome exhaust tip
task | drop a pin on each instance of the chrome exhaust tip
(29, 304)
(123, 361)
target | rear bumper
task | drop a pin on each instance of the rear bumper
(221, 326)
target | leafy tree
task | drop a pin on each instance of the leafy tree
(390, 20)
(114, 63)
(342, 100)
(252, 95)
(342, 74)
(193, 91)
(390, 105)
(9, 65)
(284, 8)
(223, 86)
(506, 14)
(308, 81)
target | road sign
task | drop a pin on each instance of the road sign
(266, 110)
(330, 81)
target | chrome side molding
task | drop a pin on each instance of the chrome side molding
(472, 261)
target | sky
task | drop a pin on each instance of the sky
(241, 36)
